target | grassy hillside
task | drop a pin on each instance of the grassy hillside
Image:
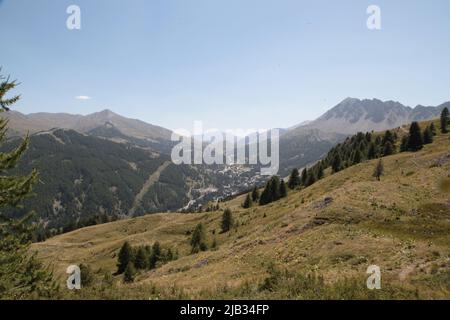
(298, 247)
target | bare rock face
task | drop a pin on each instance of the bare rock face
(353, 115)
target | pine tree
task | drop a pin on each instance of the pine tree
(311, 178)
(265, 195)
(372, 153)
(427, 135)
(304, 176)
(388, 137)
(388, 149)
(129, 273)
(248, 202)
(86, 275)
(379, 169)
(320, 173)
(444, 120)
(22, 275)
(294, 179)
(357, 157)
(283, 190)
(433, 129)
(125, 257)
(415, 140)
(141, 260)
(404, 144)
(274, 189)
(336, 163)
(227, 220)
(155, 255)
(198, 239)
(255, 194)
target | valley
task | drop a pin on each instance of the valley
(316, 243)
(103, 166)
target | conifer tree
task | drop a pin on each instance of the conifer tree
(379, 169)
(372, 153)
(433, 129)
(198, 239)
(283, 190)
(404, 144)
(274, 188)
(320, 173)
(155, 255)
(266, 194)
(294, 179)
(248, 202)
(304, 176)
(22, 275)
(388, 137)
(311, 178)
(125, 257)
(129, 273)
(255, 194)
(415, 139)
(141, 260)
(427, 135)
(336, 163)
(227, 220)
(444, 120)
(357, 157)
(388, 149)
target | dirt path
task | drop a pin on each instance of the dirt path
(154, 177)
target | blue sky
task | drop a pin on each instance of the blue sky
(230, 64)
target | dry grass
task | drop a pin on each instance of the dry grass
(401, 224)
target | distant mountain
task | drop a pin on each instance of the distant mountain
(305, 143)
(36, 122)
(353, 115)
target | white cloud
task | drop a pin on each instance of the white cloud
(83, 98)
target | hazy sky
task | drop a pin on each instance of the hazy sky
(228, 63)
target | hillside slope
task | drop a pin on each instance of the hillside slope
(401, 223)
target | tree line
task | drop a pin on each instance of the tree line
(130, 259)
(354, 150)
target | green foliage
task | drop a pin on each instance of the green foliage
(227, 220)
(87, 276)
(444, 120)
(428, 135)
(336, 165)
(141, 259)
(255, 194)
(198, 239)
(155, 255)
(415, 138)
(129, 273)
(294, 179)
(248, 202)
(22, 276)
(304, 177)
(388, 149)
(283, 190)
(125, 257)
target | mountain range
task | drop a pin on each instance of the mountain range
(104, 163)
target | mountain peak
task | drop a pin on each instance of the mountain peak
(352, 115)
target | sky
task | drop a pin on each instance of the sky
(230, 64)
